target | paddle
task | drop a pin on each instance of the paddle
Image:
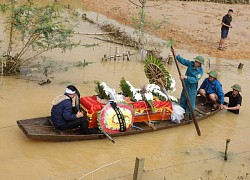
(108, 136)
(186, 93)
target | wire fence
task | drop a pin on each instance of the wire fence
(162, 165)
(223, 1)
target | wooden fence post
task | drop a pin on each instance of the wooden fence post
(227, 142)
(240, 66)
(139, 168)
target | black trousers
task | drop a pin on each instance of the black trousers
(81, 122)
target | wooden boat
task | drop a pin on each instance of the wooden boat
(41, 128)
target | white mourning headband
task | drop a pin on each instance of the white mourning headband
(69, 91)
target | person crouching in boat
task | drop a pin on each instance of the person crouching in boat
(193, 74)
(211, 91)
(62, 114)
(235, 99)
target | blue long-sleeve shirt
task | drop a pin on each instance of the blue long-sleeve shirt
(193, 74)
(213, 87)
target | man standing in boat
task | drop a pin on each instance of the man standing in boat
(226, 24)
(62, 115)
(193, 74)
(211, 91)
(235, 99)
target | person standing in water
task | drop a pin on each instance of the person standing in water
(226, 24)
(193, 74)
(235, 99)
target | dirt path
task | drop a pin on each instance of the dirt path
(195, 26)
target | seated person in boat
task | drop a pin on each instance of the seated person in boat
(211, 90)
(193, 74)
(62, 114)
(235, 99)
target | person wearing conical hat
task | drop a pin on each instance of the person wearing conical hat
(235, 99)
(211, 91)
(193, 74)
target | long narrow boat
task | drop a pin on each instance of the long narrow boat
(41, 128)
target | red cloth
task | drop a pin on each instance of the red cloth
(91, 104)
(157, 105)
(162, 104)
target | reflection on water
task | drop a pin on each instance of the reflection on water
(177, 153)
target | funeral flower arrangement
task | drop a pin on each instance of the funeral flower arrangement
(111, 120)
(148, 94)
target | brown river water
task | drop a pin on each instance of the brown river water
(177, 153)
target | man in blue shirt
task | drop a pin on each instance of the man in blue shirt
(211, 90)
(193, 74)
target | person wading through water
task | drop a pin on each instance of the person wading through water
(235, 99)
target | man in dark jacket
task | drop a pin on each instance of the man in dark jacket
(62, 115)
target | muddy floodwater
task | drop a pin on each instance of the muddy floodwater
(177, 153)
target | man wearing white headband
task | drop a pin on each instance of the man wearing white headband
(62, 114)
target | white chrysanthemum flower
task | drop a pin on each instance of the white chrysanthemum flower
(138, 97)
(108, 91)
(161, 94)
(134, 90)
(172, 85)
(172, 98)
(149, 96)
(152, 87)
(119, 98)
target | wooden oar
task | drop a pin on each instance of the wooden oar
(108, 136)
(187, 96)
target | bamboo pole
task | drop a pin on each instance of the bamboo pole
(186, 94)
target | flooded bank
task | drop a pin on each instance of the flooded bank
(177, 153)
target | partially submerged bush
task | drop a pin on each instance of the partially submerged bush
(33, 30)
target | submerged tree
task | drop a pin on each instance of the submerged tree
(140, 22)
(33, 30)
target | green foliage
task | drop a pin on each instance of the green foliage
(4, 8)
(160, 24)
(150, 102)
(83, 63)
(162, 98)
(100, 91)
(48, 66)
(125, 89)
(170, 43)
(140, 23)
(35, 29)
(90, 45)
(155, 71)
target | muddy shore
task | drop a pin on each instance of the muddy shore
(194, 26)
